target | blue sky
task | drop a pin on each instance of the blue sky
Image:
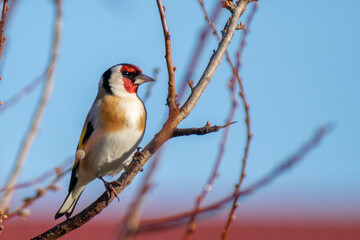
(300, 70)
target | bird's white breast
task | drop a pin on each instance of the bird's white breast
(117, 147)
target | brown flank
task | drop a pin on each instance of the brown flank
(142, 120)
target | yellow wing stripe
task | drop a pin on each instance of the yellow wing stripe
(80, 145)
(81, 142)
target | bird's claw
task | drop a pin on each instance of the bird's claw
(138, 153)
(109, 187)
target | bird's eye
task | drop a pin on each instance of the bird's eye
(125, 73)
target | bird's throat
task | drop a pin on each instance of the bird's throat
(129, 86)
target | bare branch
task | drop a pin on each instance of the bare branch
(22, 211)
(27, 142)
(198, 50)
(40, 193)
(42, 177)
(131, 221)
(207, 18)
(21, 94)
(2, 25)
(160, 138)
(199, 131)
(191, 225)
(214, 173)
(217, 35)
(289, 163)
(214, 62)
(247, 122)
(171, 99)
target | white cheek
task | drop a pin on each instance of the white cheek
(117, 85)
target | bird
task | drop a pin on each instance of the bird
(112, 132)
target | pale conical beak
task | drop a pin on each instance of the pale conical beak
(142, 78)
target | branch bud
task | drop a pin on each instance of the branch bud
(228, 4)
(41, 192)
(58, 170)
(24, 213)
(192, 227)
(191, 84)
(54, 187)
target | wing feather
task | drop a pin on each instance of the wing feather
(91, 134)
(85, 135)
(87, 131)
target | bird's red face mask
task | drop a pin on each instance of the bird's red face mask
(129, 73)
(133, 77)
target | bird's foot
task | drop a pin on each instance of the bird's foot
(138, 153)
(109, 187)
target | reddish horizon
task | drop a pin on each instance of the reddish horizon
(252, 222)
(295, 230)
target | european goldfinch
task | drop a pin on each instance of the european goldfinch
(111, 133)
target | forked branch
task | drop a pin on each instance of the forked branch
(160, 138)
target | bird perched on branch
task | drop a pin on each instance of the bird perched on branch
(111, 133)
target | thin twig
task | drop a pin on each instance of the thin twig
(39, 193)
(247, 122)
(9, 16)
(30, 137)
(2, 25)
(131, 221)
(200, 198)
(128, 229)
(21, 94)
(200, 131)
(42, 177)
(160, 138)
(190, 69)
(214, 173)
(289, 163)
(198, 50)
(217, 35)
(171, 98)
(214, 62)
